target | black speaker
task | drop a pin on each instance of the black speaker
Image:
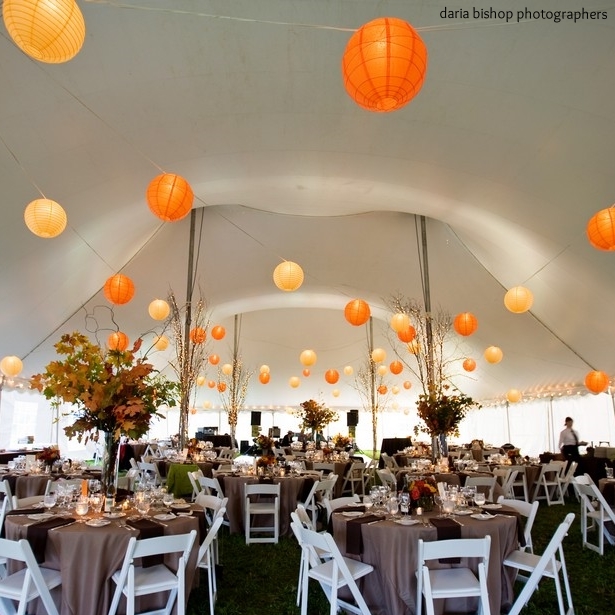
(274, 432)
(255, 418)
(352, 418)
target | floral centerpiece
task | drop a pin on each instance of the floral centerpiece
(48, 455)
(422, 492)
(266, 461)
(195, 448)
(442, 412)
(315, 416)
(341, 441)
(114, 393)
(263, 442)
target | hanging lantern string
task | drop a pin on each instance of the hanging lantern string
(463, 25)
(21, 166)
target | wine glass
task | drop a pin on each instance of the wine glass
(167, 499)
(479, 498)
(367, 502)
(142, 503)
(392, 506)
(448, 506)
(81, 508)
(50, 500)
(96, 502)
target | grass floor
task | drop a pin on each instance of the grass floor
(262, 578)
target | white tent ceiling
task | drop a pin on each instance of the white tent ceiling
(507, 150)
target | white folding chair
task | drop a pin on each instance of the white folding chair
(150, 469)
(565, 479)
(5, 506)
(452, 582)
(595, 514)
(321, 490)
(387, 478)
(133, 581)
(335, 503)
(353, 479)
(31, 500)
(485, 484)
(528, 511)
(548, 486)
(213, 506)
(31, 582)
(508, 476)
(389, 462)
(211, 486)
(369, 474)
(53, 485)
(520, 487)
(271, 506)
(333, 573)
(193, 477)
(550, 564)
(207, 560)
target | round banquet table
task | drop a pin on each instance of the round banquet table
(293, 489)
(392, 550)
(88, 556)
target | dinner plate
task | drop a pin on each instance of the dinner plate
(406, 521)
(166, 517)
(352, 513)
(180, 505)
(97, 522)
(40, 516)
(463, 512)
(184, 514)
(482, 516)
(114, 515)
(491, 506)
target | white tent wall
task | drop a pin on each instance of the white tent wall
(533, 426)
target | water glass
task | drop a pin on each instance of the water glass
(50, 500)
(81, 508)
(609, 472)
(448, 506)
(96, 502)
(479, 498)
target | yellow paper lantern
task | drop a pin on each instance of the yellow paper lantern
(308, 358)
(11, 366)
(227, 369)
(395, 390)
(335, 392)
(513, 395)
(207, 404)
(159, 309)
(348, 370)
(50, 31)
(45, 218)
(288, 276)
(294, 382)
(200, 381)
(597, 381)
(378, 355)
(384, 64)
(119, 289)
(493, 354)
(264, 369)
(400, 322)
(161, 342)
(518, 299)
(117, 340)
(382, 370)
(169, 197)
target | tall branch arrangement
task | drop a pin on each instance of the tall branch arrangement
(234, 393)
(441, 405)
(190, 354)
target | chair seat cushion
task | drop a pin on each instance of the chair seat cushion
(324, 571)
(10, 586)
(151, 580)
(453, 582)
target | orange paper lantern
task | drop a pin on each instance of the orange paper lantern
(407, 335)
(469, 364)
(214, 359)
(384, 64)
(221, 387)
(211, 384)
(119, 289)
(382, 389)
(51, 31)
(518, 299)
(601, 229)
(45, 218)
(169, 197)
(11, 366)
(493, 354)
(597, 381)
(218, 332)
(332, 376)
(396, 367)
(288, 276)
(306, 372)
(264, 377)
(117, 340)
(198, 335)
(465, 323)
(357, 312)
(159, 309)
(407, 384)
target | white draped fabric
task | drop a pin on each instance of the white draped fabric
(533, 426)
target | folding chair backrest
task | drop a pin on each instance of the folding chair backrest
(456, 547)
(545, 560)
(262, 489)
(211, 486)
(592, 492)
(326, 485)
(173, 543)
(528, 510)
(211, 504)
(209, 538)
(300, 515)
(5, 489)
(387, 477)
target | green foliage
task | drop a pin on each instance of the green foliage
(315, 416)
(442, 413)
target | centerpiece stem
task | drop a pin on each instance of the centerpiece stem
(110, 463)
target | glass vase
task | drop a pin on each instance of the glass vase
(110, 460)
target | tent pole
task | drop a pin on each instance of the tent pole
(508, 422)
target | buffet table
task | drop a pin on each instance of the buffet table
(392, 549)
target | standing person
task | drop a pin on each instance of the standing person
(569, 443)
